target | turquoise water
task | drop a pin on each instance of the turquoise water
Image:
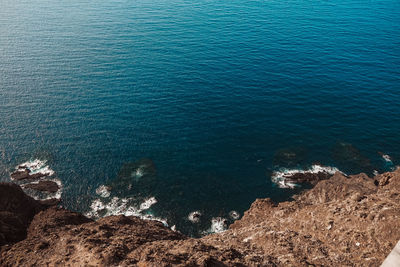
(215, 93)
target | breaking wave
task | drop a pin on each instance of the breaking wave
(36, 166)
(194, 216)
(123, 206)
(218, 225)
(103, 191)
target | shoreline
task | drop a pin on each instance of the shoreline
(340, 221)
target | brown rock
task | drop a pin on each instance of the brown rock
(16, 211)
(46, 186)
(340, 222)
(20, 174)
(50, 202)
(307, 177)
(23, 174)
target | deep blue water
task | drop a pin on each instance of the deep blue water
(211, 91)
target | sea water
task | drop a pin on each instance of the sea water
(164, 108)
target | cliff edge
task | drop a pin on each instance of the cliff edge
(342, 221)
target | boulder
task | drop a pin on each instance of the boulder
(44, 186)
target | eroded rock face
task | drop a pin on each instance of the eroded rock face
(341, 221)
(16, 211)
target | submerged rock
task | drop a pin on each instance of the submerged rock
(134, 178)
(135, 171)
(290, 157)
(350, 159)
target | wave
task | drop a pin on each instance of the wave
(148, 203)
(36, 166)
(103, 191)
(218, 225)
(194, 216)
(123, 206)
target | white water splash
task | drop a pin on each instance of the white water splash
(123, 206)
(194, 216)
(218, 225)
(387, 158)
(148, 203)
(282, 177)
(234, 215)
(103, 191)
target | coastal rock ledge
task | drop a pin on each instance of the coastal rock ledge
(342, 221)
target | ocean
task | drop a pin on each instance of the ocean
(166, 108)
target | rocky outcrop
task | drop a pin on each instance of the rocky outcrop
(16, 211)
(44, 186)
(342, 221)
(23, 174)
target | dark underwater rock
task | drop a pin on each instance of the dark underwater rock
(134, 177)
(350, 159)
(290, 157)
(136, 171)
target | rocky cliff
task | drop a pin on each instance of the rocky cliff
(342, 221)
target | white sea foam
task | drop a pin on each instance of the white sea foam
(387, 158)
(148, 203)
(123, 206)
(36, 166)
(234, 215)
(282, 177)
(103, 191)
(96, 206)
(116, 206)
(218, 225)
(194, 216)
(138, 173)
